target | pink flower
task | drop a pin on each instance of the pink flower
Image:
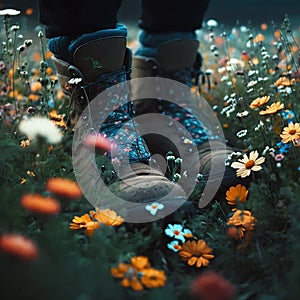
(99, 142)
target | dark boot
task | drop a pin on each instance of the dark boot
(179, 60)
(97, 66)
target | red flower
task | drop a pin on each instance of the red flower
(18, 246)
(212, 286)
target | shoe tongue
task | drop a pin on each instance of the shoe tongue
(177, 55)
(100, 56)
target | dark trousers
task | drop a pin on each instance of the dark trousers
(76, 17)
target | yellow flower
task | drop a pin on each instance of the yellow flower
(259, 101)
(245, 165)
(291, 133)
(196, 253)
(272, 109)
(284, 81)
(236, 194)
(107, 217)
(139, 274)
(86, 223)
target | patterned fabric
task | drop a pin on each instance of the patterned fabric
(118, 126)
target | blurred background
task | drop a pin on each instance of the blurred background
(228, 12)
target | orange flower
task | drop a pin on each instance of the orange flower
(86, 223)
(19, 246)
(210, 285)
(259, 101)
(272, 109)
(29, 11)
(236, 194)
(284, 81)
(243, 221)
(57, 119)
(107, 217)
(153, 278)
(259, 38)
(35, 86)
(139, 274)
(41, 205)
(196, 253)
(63, 187)
(291, 133)
(234, 232)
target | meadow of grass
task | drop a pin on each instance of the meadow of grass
(244, 245)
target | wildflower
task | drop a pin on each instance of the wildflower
(245, 165)
(272, 109)
(107, 216)
(289, 115)
(211, 285)
(170, 158)
(63, 187)
(153, 278)
(175, 231)
(9, 12)
(139, 274)
(196, 252)
(187, 141)
(236, 194)
(259, 101)
(291, 133)
(243, 221)
(57, 119)
(25, 143)
(40, 127)
(84, 222)
(284, 82)
(279, 157)
(154, 207)
(98, 141)
(241, 133)
(39, 204)
(187, 233)
(212, 23)
(259, 38)
(18, 246)
(252, 83)
(174, 246)
(242, 114)
(35, 86)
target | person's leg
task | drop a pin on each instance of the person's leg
(73, 18)
(88, 44)
(172, 15)
(169, 48)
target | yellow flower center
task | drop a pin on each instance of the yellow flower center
(249, 164)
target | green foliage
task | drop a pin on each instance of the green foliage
(74, 266)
